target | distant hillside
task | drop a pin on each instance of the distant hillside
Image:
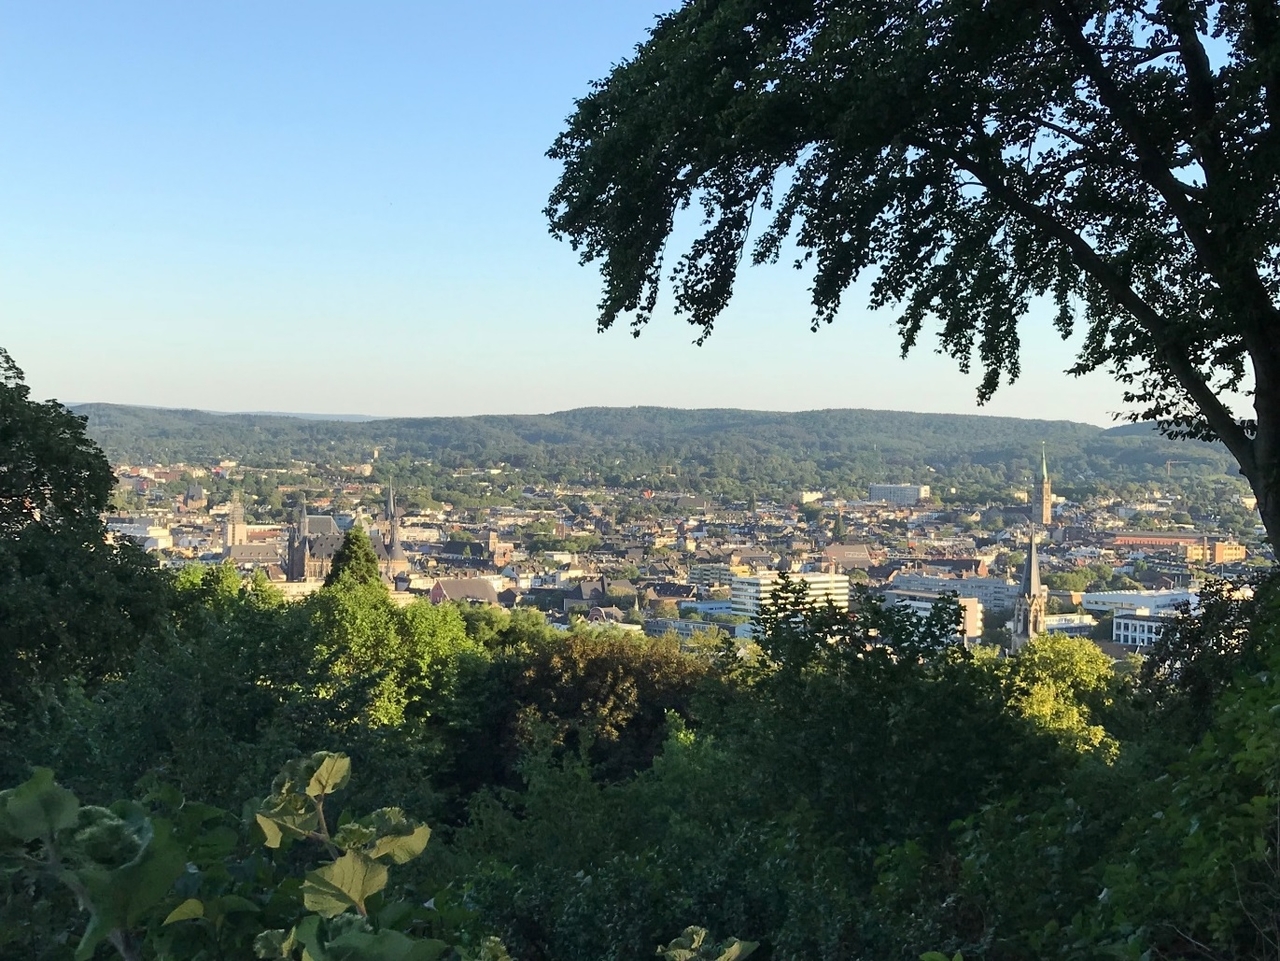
(832, 448)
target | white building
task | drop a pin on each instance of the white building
(994, 592)
(1138, 630)
(1132, 602)
(921, 602)
(750, 594)
(899, 493)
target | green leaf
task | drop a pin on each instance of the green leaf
(274, 944)
(233, 904)
(346, 883)
(119, 898)
(330, 776)
(402, 847)
(38, 808)
(735, 950)
(284, 816)
(186, 911)
(383, 946)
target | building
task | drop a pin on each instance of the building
(1030, 609)
(314, 540)
(1214, 552)
(1196, 548)
(392, 559)
(921, 602)
(1139, 629)
(1071, 624)
(899, 493)
(994, 593)
(234, 530)
(1132, 602)
(473, 590)
(751, 593)
(1042, 500)
(716, 575)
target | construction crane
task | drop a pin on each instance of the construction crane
(1169, 463)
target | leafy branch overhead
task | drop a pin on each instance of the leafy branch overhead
(966, 159)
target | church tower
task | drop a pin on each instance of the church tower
(234, 531)
(1042, 502)
(397, 560)
(1030, 608)
(298, 547)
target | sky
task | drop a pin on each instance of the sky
(337, 208)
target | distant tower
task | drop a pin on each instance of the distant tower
(235, 531)
(397, 560)
(1029, 609)
(1042, 503)
(298, 546)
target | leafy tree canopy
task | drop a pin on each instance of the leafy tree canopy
(50, 471)
(1118, 158)
(354, 559)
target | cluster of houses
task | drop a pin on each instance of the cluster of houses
(684, 564)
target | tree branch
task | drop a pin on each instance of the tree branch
(1232, 272)
(1155, 169)
(1201, 92)
(1266, 34)
(1219, 417)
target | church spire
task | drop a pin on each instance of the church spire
(395, 552)
(1042, 502)
(1031, 569)
(1029, 610)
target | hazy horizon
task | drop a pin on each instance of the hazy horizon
(351, 417)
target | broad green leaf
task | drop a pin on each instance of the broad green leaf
(354, 835)
(233, 903)
(346, 883)
(401, 847)
(119, 898)
(735, 950)
(186, 911)
(330, 776)
(38, 808)
(286, 816)
(307, 934)
(383, 946)
(274, 944)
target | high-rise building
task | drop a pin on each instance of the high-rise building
(1042, 502)
(898, 493)
(750, 594)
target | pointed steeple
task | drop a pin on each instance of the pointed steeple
(302, 516)
(395, 552)
(1042, 502)
(1031, 569)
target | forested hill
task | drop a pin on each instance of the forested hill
(705, 449)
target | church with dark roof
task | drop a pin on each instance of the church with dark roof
(314, 539)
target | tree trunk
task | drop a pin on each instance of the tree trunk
(1263, 471)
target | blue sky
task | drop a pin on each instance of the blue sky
(336, 207)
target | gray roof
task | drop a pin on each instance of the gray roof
(468, 589)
